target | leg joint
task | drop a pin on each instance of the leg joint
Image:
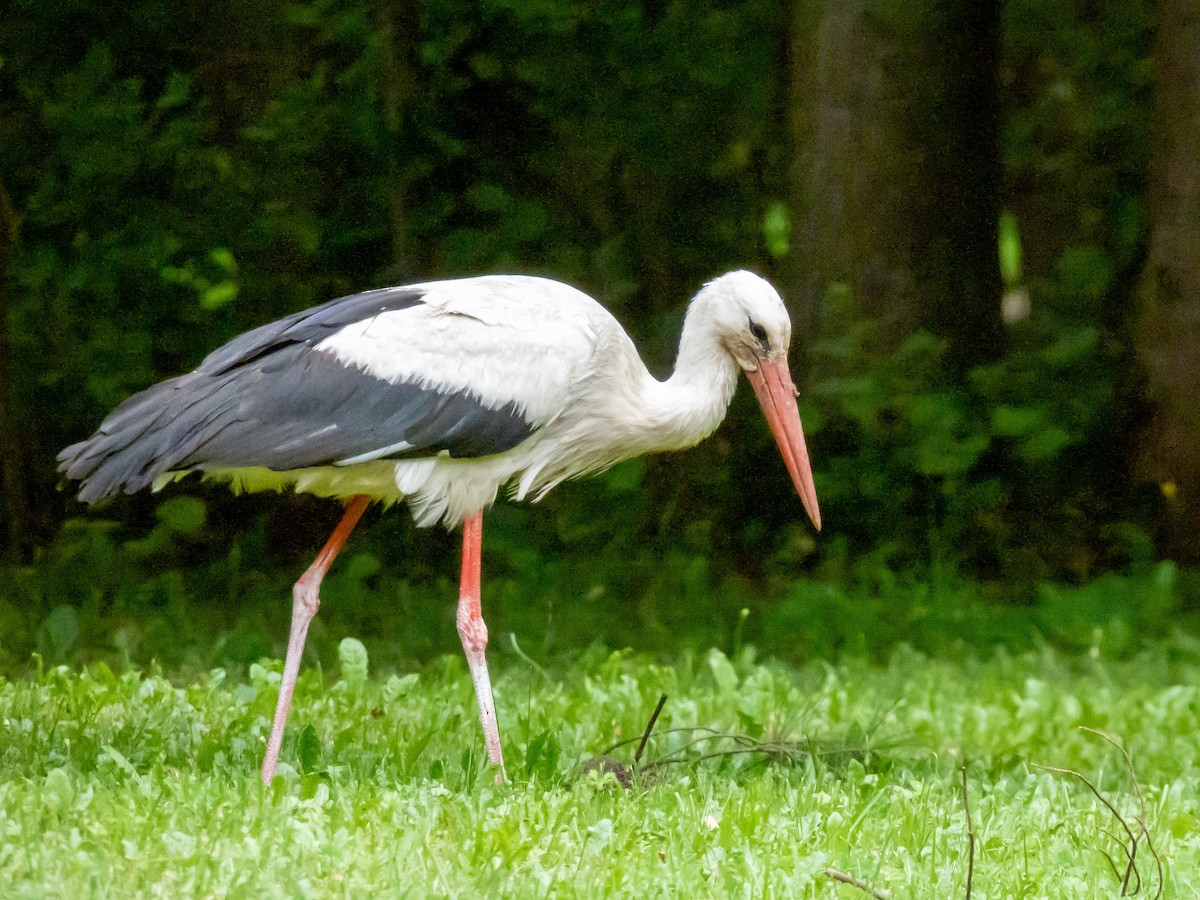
(306, 593)
(472, 629)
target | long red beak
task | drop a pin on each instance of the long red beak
(773, 386)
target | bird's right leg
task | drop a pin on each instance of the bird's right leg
(305, 601)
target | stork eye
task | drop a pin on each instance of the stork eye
(759, 333)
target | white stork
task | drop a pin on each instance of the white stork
(440, 394)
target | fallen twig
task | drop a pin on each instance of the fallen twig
(1131, 871)
(858, 883)
(687, 752)
(637, 757)
(970, 833)
(1141, 816)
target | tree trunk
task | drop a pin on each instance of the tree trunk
(399, 24)
(895, 170)
(1169, 323)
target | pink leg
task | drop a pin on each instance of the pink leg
(305, 601)
(474, 634)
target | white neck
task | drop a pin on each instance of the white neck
(688, 406)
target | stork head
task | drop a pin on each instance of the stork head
(753, 326)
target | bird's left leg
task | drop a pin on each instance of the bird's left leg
(305, 600)
(473, 632)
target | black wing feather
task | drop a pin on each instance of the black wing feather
(310, 326)
(268, 398)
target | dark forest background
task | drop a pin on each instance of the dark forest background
(984, 215)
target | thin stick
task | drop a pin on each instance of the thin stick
(677, 755)
(1141, 818)
(858, 883)
(711, 735)
(970, 833)
(716, 754)
(1091, 787)
(1131, 853)
(662, 701)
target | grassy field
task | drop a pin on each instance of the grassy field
(133, 785)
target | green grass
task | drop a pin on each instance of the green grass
(131, 785)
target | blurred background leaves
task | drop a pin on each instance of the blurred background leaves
(963, 204)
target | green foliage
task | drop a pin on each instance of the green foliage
(170, 198)
(131, 783)
(182, 515)
(1111, 615)
(101, 593)
(1010, 250)
(776, 230)
(987, 476)
(353, 657)
(179, 178)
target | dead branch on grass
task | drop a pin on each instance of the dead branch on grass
(704, 736)
(858, 883)
(1131, 877)
(792, 751)
(662, 701)
(970, 833)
